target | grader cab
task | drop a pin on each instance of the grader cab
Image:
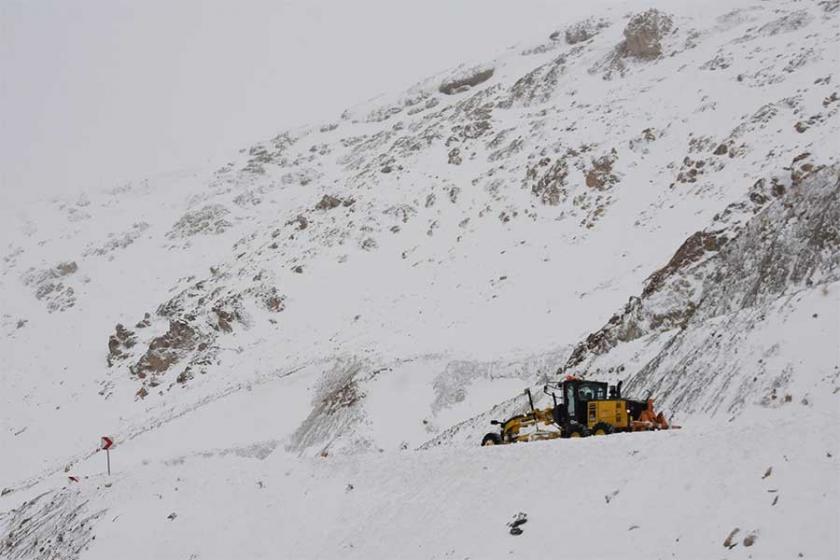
(580, 408)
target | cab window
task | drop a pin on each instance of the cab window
(570, 400)
(588, 392)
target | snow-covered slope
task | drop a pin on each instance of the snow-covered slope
(316, 333)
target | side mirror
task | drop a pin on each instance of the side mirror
(495, 422)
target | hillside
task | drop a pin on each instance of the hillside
(298, 352)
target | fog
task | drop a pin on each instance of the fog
(98, 92)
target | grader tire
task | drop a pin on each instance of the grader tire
(576, 431)
(491, 439)
(603, 429)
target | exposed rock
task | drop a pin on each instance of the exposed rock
(801, 168)
(787, 23)
(728, 542)
(166, 350)
(119, 343)
(227, 312)
(369, 244)
(643, 36)
(644, 33)
(402, 212)
(516, 525)
(50, 286)
(583, 30)
(64, 269)
(791, 245)
(184, 376)
(690, 252)
(208, 220)
(335, 408)
(53, 524)
(328, 202)
(600, 176)
(273, 301)
(147, 321)
(710, 274)
(538, 85)
(548, 180)
(465, 80)
(300, 221)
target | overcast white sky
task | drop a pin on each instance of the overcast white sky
(93, 92)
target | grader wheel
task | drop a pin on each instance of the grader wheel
(576, 431)
(603, 429)
(491, 439)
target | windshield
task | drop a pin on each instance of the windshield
(591, 391)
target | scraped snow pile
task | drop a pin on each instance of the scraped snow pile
(298, 353)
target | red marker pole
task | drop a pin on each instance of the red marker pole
(107, 442)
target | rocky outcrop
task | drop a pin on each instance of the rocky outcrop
(693, 249)
(166, 350)
(54, 524)
(208, 220)
(548, 180)
(195, 319)
(644, 33)
(792, 243)
(582, 30)
(601, 176)
(51, 285)
(466, 80)
(119, 343)
(327, 202)
(335, 409)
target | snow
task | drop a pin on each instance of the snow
(656, 494)
(341, 368)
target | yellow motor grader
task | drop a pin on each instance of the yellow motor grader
(580, 408)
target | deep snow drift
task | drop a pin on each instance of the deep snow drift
(299, 352)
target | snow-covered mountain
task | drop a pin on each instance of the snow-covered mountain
(297, 353)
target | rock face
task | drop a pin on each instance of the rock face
(52, 285)
(469, 79)
(208, 220)
(327, 202)
(713, 286)
(333, 411)
(583, 30)
(644, 33)
(119, 343)
(166, 350)
(795, 241)
(55, 524)
(693, 249)
(643, 42)
(600, 176)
